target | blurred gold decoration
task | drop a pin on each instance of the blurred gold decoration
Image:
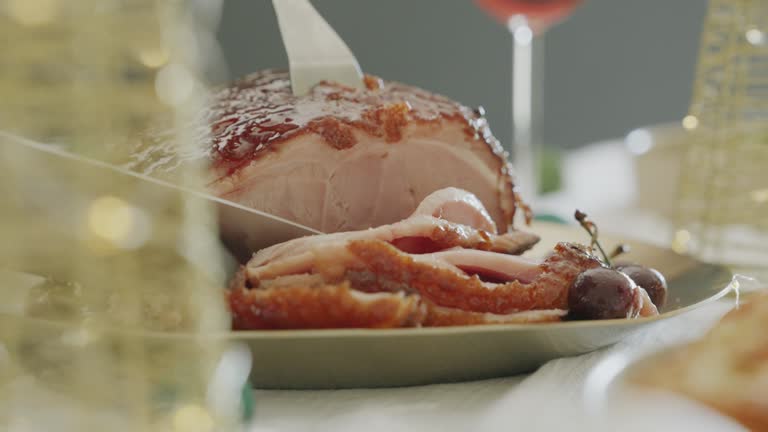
(113, 316)
(723, 205)
(66, 67)
(32, 12)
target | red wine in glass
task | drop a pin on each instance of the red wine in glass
(526, 19)
(540, 14)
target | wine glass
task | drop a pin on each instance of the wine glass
(526, 20)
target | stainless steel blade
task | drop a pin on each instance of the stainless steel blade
(315, 51)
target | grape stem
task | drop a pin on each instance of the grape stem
(591, 228)
(620, 250)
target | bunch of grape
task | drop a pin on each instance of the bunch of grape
(613, 290)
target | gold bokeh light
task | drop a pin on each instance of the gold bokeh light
(690, 122)
(759, 196)
(174, 84)
(153, 57)
(32, 12)
(192, 418)
(680, 243)
(117, 222)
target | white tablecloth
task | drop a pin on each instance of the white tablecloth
(549, 399)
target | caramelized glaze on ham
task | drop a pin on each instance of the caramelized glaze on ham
(341, 159)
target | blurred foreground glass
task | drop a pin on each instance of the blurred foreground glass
(723, 196)
(112, 316)
(93, 74)
(526, 20)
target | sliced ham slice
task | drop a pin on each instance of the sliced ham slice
(416, 234)
(522, 290)
(438, 316)
(438, 267)
(374, 266)
(491, 266)
(647, 308)
(459, 206)
(443, 265)
(446, 219)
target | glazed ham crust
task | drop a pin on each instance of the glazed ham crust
(337, 158)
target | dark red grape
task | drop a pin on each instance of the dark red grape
(603, 293)
(649, 279)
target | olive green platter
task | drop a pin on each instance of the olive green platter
(360, 358)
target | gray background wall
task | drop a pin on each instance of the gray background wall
(614, 65)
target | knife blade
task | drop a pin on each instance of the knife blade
(315, 51)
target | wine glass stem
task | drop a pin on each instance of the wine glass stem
(524, 152)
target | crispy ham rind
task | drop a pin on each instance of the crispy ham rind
(339, 306)
(324, 306)
(413, 290)
(438, 267)
(380, 267)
